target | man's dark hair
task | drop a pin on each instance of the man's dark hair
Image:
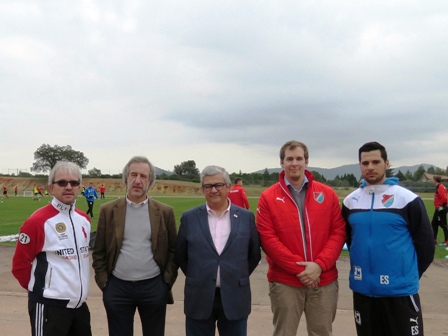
(371, 146)
(237, 180)
(437, 178)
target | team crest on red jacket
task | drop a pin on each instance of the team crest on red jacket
(387, 200)
(319, 197)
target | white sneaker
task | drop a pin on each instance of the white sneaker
(446, 248)
(446, 257)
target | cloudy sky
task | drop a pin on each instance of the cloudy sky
(223, 82)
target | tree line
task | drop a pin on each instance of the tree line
(46, 157)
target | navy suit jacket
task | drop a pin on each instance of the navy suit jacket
(197, 257)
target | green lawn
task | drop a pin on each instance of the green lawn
(15, 210)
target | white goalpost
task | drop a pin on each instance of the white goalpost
(27, 193)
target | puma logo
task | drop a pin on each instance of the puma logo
(414, 320)
(281, 199)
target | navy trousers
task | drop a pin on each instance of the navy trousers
(217, 319)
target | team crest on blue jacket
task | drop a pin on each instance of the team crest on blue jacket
(319, 197)
(387, 200)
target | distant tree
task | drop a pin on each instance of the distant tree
(439, 171)
(95, 172)
(390, 172)
(431, 170)
(266, 178)
(187, 171)
(408, 175)
(352, 180)
(318, 177)
(274, 177)
(418, 173)
(400, 176)
(47, 156)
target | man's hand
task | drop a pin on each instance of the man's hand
(310, 277)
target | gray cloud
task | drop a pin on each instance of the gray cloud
(178, 80)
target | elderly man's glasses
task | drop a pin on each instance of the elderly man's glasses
(63, 183)
(217, 186)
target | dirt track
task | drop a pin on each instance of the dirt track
(433, 293)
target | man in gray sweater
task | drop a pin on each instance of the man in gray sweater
(134, 254)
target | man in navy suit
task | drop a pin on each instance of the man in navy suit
(217, 249)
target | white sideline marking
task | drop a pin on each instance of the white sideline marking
(10, 238)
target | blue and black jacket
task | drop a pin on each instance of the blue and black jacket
(389, 237)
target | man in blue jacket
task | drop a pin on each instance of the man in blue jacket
(391, 244)
(90, 195)
(217, 249)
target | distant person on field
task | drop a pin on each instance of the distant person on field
(440, 210)
(237, 194)
(46, 193)
(35, 192)
(217, 249)
(83, 189)
(5, 191)
(15, 191)
(90, 195)
(102, 191)
(134, 254)
(51, 260)
(302, 233)
(391, 245)
(39, 190)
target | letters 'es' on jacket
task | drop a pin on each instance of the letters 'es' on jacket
(238, 196)
(389, 237)
(279, 225)
(52, 255)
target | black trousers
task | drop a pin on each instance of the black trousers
(90, 209)
(388, 316)
(48, 320)
(121, 298)
(439, 219)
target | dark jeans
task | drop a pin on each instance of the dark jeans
(439, 219)
(225, 327)
(48, 320)
(121, 298)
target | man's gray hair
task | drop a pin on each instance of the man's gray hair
(213, 170)
(140, 159)
(65, 166)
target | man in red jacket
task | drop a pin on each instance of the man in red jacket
(302, 233)
(440, 209)
(237, 194)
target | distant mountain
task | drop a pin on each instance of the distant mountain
(160, 171)
(331, 173)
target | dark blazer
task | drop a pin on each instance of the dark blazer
(109, 238)
(197, 257)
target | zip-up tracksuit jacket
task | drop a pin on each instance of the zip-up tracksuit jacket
(390, 239)
(440, 196)
(52, 255)
(90, 194)
(238, 196)
(279, 226)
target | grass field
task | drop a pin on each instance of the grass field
(15, 210)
